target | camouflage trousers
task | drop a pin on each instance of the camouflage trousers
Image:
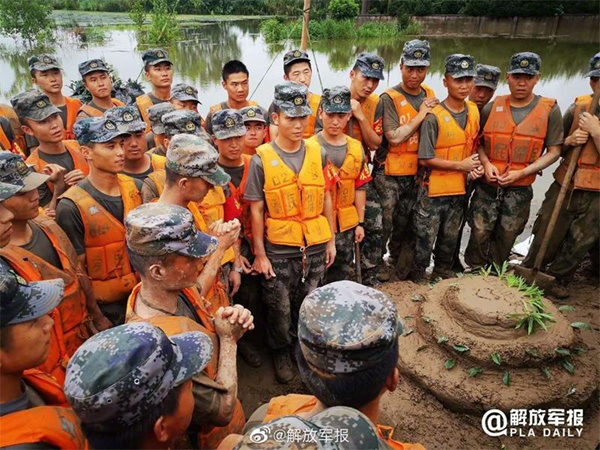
(370, 248)
(344, 245)
(436, 221)
(282, 295)
(575, 233)
(397, 196)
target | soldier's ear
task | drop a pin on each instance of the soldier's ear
(156, 272)
(393, 379)
(161, 431)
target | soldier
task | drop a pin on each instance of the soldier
(92, 215)
(236, 82)
(155, 139)
(40, 250)
(59, 158)
(348, 336)
(11, 136)
(516, 130)
(486, 83)
(348, 166)
(159, 73)
(34, 412)
(131, 386)
(576, 231)
(396, 162)
(46, 75)
(446, 156)
(138, 164)
(287, 186)
(256, 127)
(184, 96)
(97, 80)
(297, 68)
(168, 252)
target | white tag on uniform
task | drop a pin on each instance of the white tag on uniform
(447, 119)
(93, 210)
(274, 162)
(499, 108)
(403, 103)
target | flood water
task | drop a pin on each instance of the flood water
(198, 59)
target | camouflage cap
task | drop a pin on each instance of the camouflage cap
(370, 65)
(8, 190)
(184, 93)
(92, 65)
(43, 62)
(96, 130)
(182, 121)
(13, 170)
(416, 53)
(339, 427)
(155, 114)
(487, 76)
(228, 123)
(525, 62)
(33, 104)
(155, 56)
(294, 56)
(460, 66)
(156, 229)
(336, 100)
(594, 66)
(127, 118)
(120, 375)
(290, 97)
(253, 114)
(346, 327)
(192, 156)
(21, 301)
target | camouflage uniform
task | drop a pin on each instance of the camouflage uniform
(127, 118)
(96, 130)
(155, 114)
(8, 190)
(183, 121)
(34, 105)
(185, 93)
(228, 123)
(92, 65)
(120, 376)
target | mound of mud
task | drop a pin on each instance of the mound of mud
(463, 326)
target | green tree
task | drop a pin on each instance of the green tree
(343, 9)
(27, 19)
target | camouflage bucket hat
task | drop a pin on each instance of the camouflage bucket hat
(155, 56)
(184, 93)
(336, 100)
(339, 427)
(460, 66)
(290, 97)
(182, 121)
(156, 229)
(228, 123)
(370, 65)
(96, 130)
(43, 62)
(8, 190)
(127, 118)
(92, 65)
(346, 327)
(122, 374)
(253, 114)
(192, 156)
(487, 76)
(34, 105)
(13, 170)
(594, 66)
(155, 114)
(21, 301)
(525, 62)
(294, 56)
(416, 53)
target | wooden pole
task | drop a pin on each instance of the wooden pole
(305, 20)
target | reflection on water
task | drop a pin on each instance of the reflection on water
(198, 59)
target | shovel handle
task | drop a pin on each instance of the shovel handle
(357, 262)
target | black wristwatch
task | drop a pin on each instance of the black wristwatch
(361, 224)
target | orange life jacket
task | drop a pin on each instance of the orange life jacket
(79, 161)
(95, 112)
(73, 106)
(314, 101)
(368, 107)
(105, 250)
(295, 202)
(514, 147)
(453, 144)
(344, 189)
(403, 159)
(69, 330)
(587, 175)
(158, 162)
(5, 144)
(293, 404)
(238, 195)
(19, 143)
(144, 102)
(212, 209)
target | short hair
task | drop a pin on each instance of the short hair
(131, 437)
(348, 389)
(288, 67)
(140, 263)
(233, 66)
(171, 177)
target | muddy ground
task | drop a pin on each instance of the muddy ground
(418, 416)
